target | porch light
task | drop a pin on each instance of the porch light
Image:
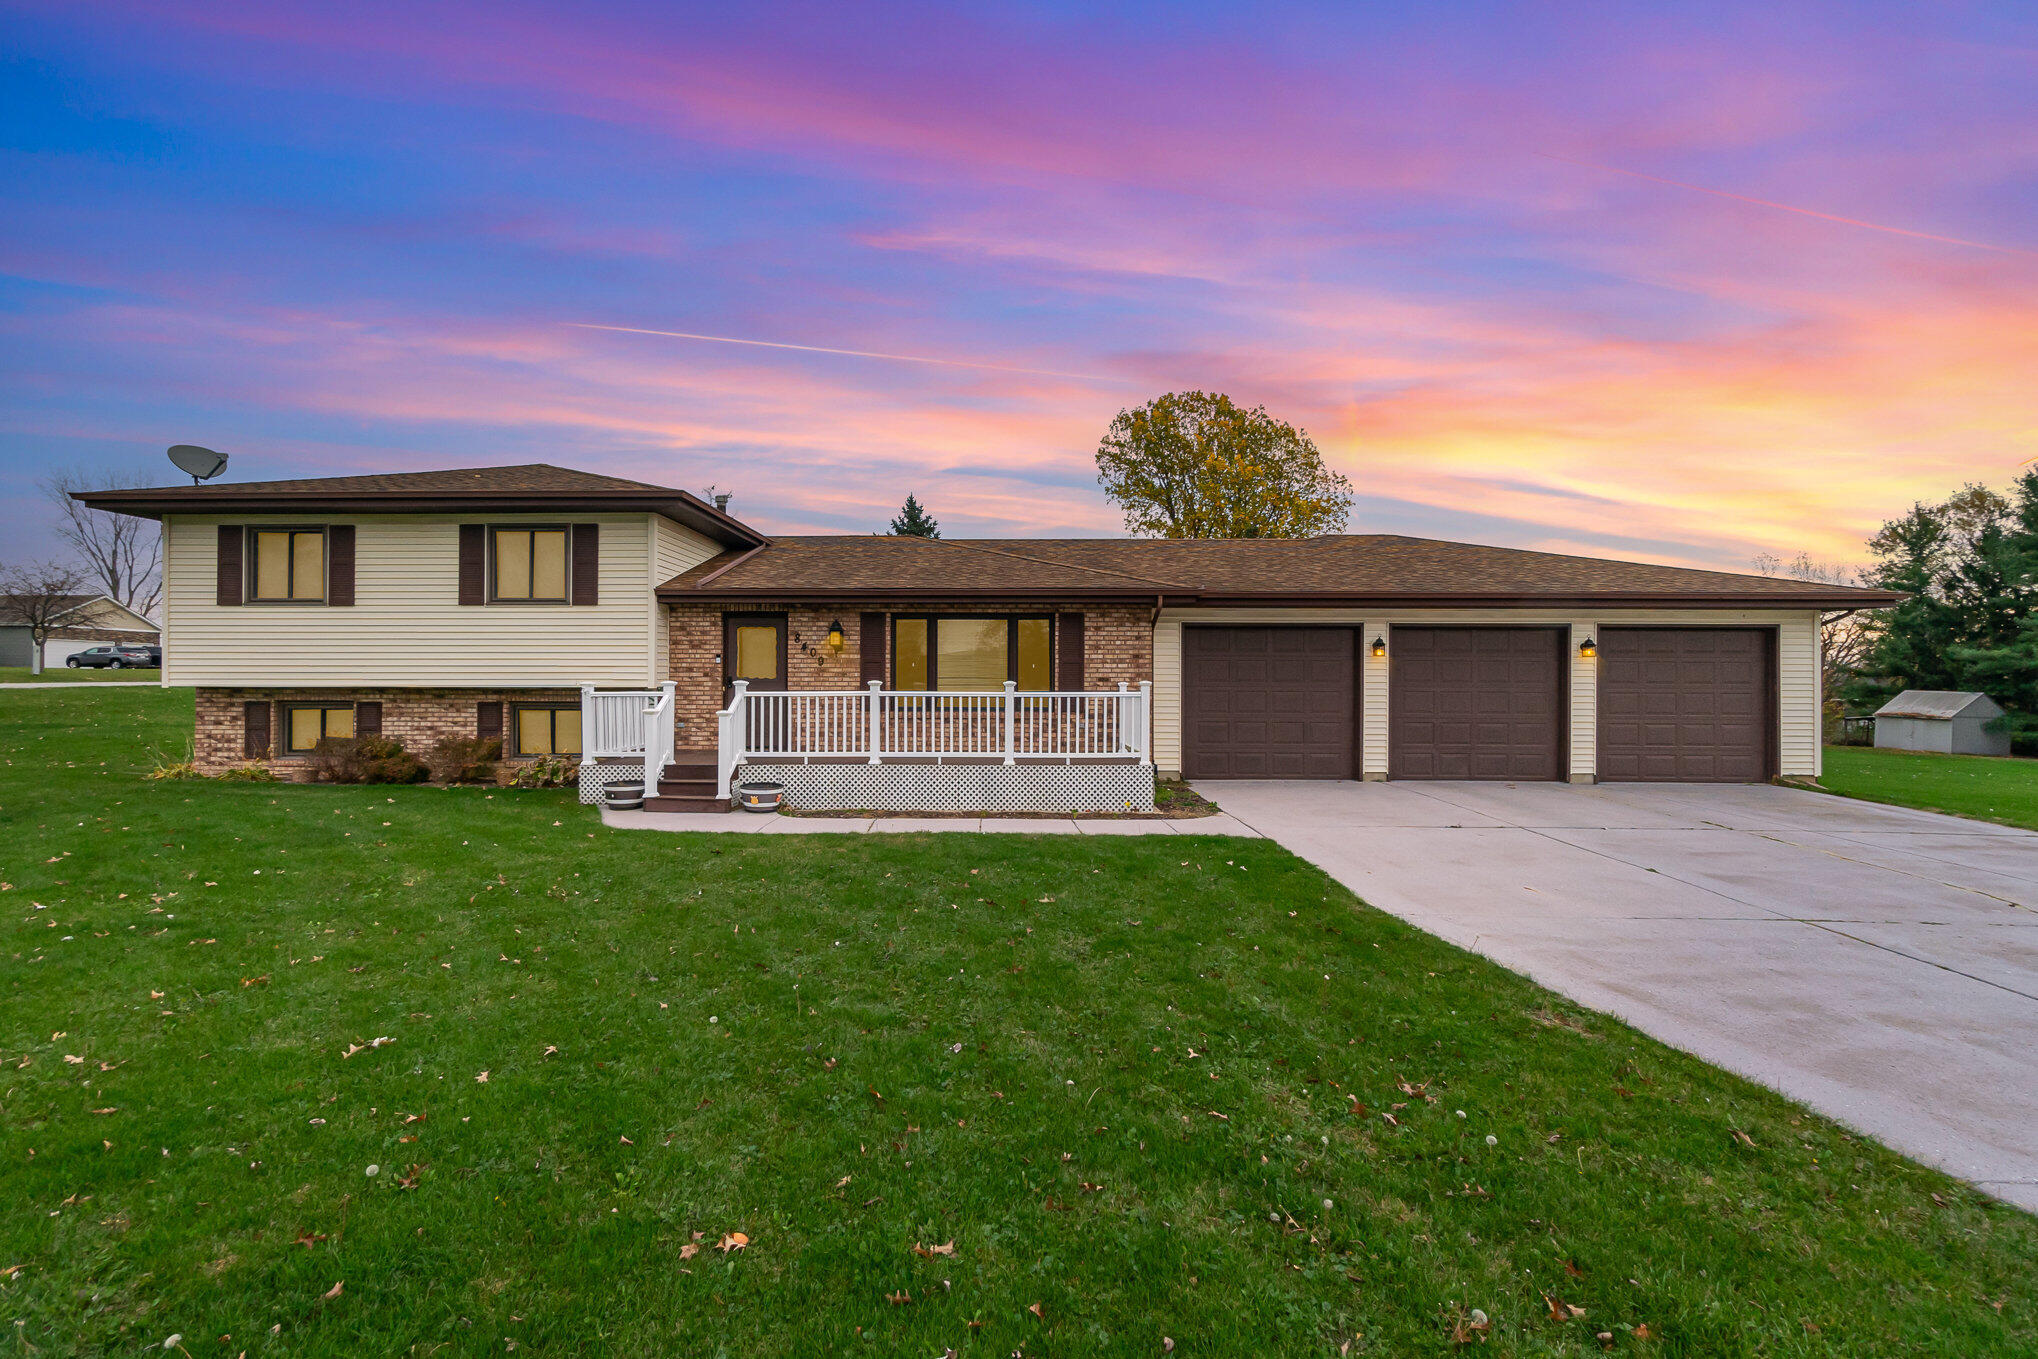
(836, 639)
(1379, 647)
(1588, 648)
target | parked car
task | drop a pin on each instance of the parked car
(119, 657)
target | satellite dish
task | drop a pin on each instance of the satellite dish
(202, 463)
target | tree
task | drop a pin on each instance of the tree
(39, 594)
(1195, 465)
(914, 522)
(122, 552)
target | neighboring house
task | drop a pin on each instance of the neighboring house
(546, 606)
(86, 619)
(1941, 720)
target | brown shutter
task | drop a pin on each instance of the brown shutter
(870, 646)
(367, 719)
(488, 721)
(232, 575)
(340, 565)
(473, 541)
(254, 730)
(587, 563)
(1069, 663)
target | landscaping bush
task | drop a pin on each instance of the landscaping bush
(547, 771)
(364, 759)
(464, 759)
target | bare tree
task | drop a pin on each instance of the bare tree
(39, 594)
(1842, 643)
(122, 552)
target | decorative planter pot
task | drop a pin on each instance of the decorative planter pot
(623, 796)
(760, 797)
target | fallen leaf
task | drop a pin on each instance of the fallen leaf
(1743, 1138)
(628, 1143)
(482, 1079)
(80, 1061)
(1038, 1311)
(334, 1291)
(929, 1252)
(1642, 1332)
(308, 1240)
(688, 1251)
(732, 1241)
(844, 1180)
(899, 1299)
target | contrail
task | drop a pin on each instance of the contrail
(1788, 207)
(852, 353)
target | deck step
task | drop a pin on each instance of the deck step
(672, 787)
(663, 803)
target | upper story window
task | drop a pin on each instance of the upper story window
(959, 654)
(529, 564)
(288, 566)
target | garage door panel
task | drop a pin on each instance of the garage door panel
(1686, 705)
(1476, 703)
(1268, 702)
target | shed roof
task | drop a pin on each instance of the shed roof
(1940, 705)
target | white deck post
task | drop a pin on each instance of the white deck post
(875, 688)
(1143, 731)
(1011, 720)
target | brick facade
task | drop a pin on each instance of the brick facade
(419, 718)
(1117, 646)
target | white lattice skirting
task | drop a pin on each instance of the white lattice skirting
(959, 788)
(595, 776)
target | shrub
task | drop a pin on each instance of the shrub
(547, 771)
(364, 759)
(463, 759)
(175, 769)
(248, 773)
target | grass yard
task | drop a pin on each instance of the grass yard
(2001, 790)
(986, 1094)
(63, 674)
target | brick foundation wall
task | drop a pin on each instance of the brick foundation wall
(419, 718)
(1117, 646)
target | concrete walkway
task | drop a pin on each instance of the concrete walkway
(1876, 963)
(754, 823)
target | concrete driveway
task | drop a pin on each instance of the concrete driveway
(1876, 963)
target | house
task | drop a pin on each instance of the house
(85, 619)
(653, 635)
(1941, 720)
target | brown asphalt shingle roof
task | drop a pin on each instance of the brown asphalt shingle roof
(531, 478)
(1380, 567)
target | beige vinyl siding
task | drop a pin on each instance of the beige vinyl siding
(674, 549)
(1797, 670)
(407, 626)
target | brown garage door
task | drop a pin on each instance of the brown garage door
(1476, 703)
(1268, 703)
(1687, 705)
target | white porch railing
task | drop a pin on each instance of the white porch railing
(875, 725)
(621, 723)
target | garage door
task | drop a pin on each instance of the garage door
(1476, 703)
(1268, 703)
(1687, 705)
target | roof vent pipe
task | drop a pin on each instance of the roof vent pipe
(722, 502)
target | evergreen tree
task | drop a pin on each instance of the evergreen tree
(1998, 651)
(914, 522)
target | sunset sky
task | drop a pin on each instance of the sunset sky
(1677, 283)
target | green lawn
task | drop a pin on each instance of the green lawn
(2003, 790)
(1147, 1088)
(61, 674)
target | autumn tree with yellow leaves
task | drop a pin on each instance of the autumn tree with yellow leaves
(1196, 465)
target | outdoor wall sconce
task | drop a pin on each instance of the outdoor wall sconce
(1379, 647)
(1588, 648)
(836, 641)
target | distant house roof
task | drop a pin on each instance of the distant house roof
(103, 611)
(1940, 705)
(525, 486)
(1342, 569)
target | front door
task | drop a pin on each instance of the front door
(753, 649)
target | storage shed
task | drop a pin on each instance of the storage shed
(1942, 721)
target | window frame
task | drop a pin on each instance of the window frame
(490, 565)
(933, 622)
(251, 554)
(283, 748)
(513, 738)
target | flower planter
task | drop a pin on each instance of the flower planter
(760, 797)
(623, 796)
